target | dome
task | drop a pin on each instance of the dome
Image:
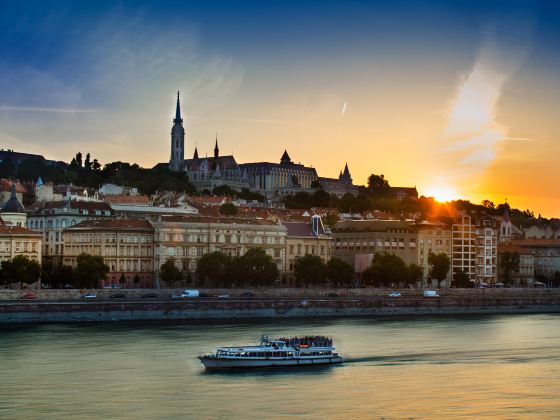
(13, 205)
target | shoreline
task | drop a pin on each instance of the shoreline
(29, 312)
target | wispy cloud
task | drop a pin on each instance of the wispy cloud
(473, 131)
(47, 109)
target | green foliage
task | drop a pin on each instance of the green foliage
(214, 268)
(330, 219)
(509, 263)
(462, 280)
(7, 168)
(122, 279)
(415, 274)
(340, 273)
(136, 279)
(387, 270)
(439, 266)
(224, 191)
(90, 270)
(169, 273)
(56, 277)
(20, 269)
(256, 268)
(228, 209)
(310, 269)
(378, 185)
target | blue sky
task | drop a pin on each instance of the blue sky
(387, 85)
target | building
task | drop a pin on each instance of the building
(305, 238)
(6, 191)
(525, 275)
(51, 218)
(475, 247)
(177, 158)
(279, 179)
(17, 240)
(13, 213)
(16, 158)
(401, 193)
(127, 247)
(44, 191)
(356, 241)
(546, 253)
(433, 236)
(185, 239)
(542, 231)
(341, 185)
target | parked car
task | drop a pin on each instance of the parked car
(332, 294)
(394, 294)
(150, 296)
(431, 293)
(178, 296)
(28, 296)
(118, 296)
(191, 293)
(247, 295)
(89, 296)
(224, 296)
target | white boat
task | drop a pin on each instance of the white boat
(296, 351)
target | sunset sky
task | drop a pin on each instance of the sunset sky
(460, 98)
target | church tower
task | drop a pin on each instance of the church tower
(177, 159)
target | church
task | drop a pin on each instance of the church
(270, 179)
(205, 173)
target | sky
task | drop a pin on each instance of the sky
(459, 98)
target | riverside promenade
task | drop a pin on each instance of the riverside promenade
(68, 306)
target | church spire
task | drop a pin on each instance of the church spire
(195, 156)
(216, 149)
(178, 118)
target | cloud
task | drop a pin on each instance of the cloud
(473, 133)
(43, 109)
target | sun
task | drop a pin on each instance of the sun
(442, 193)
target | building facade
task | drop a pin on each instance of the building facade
(525, 275)
(433, 236)
(127, 247)
(17, 240)
(305, 238)
(475, 247)
(12, 212)
(185, 239)
(357, 241)
(51, 218)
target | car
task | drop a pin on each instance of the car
(178, 296)
(394, 294)
(89, 296)
(118, 296)
(431, 293)
(332, 294)
(224, 296)
(247, 295)
(150, 296)
(28, 296)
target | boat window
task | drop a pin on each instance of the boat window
(261, 354)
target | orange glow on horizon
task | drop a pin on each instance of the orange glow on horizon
(442, 193)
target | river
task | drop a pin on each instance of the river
(440, 367)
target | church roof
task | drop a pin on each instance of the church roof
(285, 157)
(13, 205)
(223, 162)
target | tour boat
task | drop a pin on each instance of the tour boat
(295, 351)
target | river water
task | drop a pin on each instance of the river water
(441, 367)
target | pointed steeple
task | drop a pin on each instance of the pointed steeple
(346, 177)
(506, 212)
(178, 118)
(195, 156)
(285, 158)
(216, 149)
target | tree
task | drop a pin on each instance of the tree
(340, 273)
(331, 219)
(439, 266)
(310, 269)
(79, 159)
(387, 270)
(462, 280)
(89, 270)
(223, 191)
(228, 209)
(7, 168)
(257, 268)
(509, 263)
(378, 185)
(170, 273)
(415, 274)
(488, 204)
(136, 279)
(22, 269)
(214, 267)
(321, 198)
(122, 280)
(87, 162)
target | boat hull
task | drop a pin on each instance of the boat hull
(231, 363)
